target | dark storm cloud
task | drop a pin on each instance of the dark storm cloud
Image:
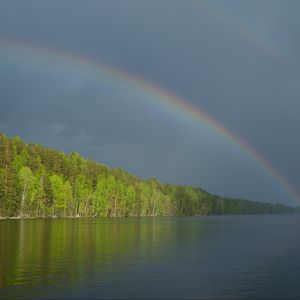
(95, 109)
(239, 61)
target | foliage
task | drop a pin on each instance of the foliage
(39, 182)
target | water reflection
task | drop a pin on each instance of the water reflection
(198, 257)
(36, 252)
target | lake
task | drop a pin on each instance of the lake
(217, 257)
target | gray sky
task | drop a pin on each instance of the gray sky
(239, 61)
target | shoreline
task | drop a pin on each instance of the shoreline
(81, 217)
(91, 217)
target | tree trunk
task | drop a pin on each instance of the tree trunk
(86, 204)
(153, 210)
(37, 208)
(23, 200)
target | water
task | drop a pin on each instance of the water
(234, 257)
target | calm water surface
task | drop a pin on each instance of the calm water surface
(243, 257)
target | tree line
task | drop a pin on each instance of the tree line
(36, 181)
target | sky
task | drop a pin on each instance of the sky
(237, 61)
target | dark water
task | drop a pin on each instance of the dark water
(243, 257)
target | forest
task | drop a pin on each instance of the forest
(38, 182)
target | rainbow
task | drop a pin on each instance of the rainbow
(156, 94)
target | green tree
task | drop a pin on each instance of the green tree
(59, 194)
(26, 180)
(101, 198)
(37, 181)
